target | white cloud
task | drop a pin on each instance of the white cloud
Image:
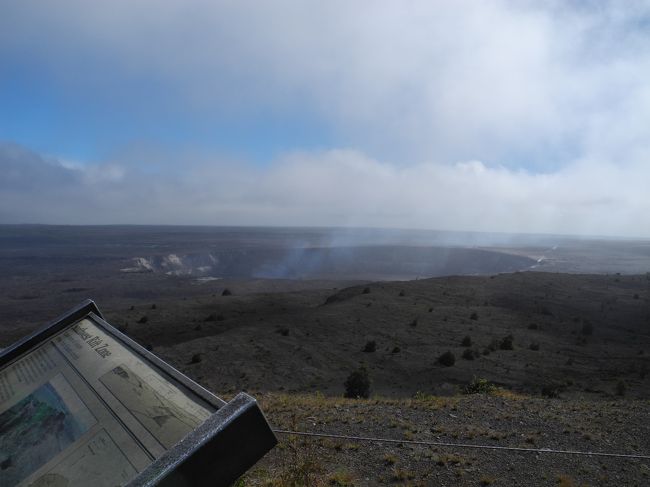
(551, 96)
(347, 188)
(498, 80)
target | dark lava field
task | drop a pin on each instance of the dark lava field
(558, 329)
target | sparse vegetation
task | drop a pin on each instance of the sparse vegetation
(226, 292)
(534, 346)
(390, 459)
(551, 391)
(447, 359)
(196, 358)
(479, 386)
(358, 384)
(507, 343)
(341, 479)
(144, 319)
(469, 354)
(466, 341)
(370, 347)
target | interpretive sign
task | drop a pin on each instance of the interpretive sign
(82, 404)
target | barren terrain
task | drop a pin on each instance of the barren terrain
(564, 356)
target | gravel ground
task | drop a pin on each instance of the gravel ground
(500, 418)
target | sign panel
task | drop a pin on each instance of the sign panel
(85, 406)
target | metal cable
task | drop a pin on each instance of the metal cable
(464, 445)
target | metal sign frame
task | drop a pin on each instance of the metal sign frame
(215, 453)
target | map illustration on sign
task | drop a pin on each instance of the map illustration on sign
(40, 426)
(151, 403)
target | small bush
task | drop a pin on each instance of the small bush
(469, 354)
(494, 345)
(466, 342)
(473, 316)
(283, 331)
(358, 384)
(414, 323)
(366, 290)
(390, 459)
(226, 292)
(534, 346)
(447, 359)
(587, 328)
(507, 343)
(533, 326)
(144, 319)
(370, 347)
(621, 388)
(636, 296)
(402, 293)
(479, 386)
(196, 358)
(551, 391)
(396, 350)
(153, 306)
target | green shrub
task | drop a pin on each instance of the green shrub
(479, 386)
(358, 384)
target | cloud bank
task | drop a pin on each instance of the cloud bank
(476, 115)
(331, 188)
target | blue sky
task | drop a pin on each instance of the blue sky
(463, 115)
